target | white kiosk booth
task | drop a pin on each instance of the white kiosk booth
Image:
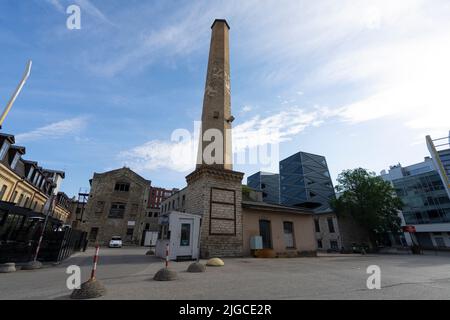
(181, 231)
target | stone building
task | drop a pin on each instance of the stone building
(327, 229)
(156, 195)
(116, 206)
(25, 183)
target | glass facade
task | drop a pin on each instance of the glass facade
(424, 197)
(444, 156)
(268, 183)
(304, 177)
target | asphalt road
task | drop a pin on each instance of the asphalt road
(127, 274)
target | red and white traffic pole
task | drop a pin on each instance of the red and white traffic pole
(94, 268)
(167, 255)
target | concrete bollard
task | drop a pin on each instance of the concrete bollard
(215, 262)
(165, 274)
(7, 267)
(91, 288)
(196, 267)
(32, 265)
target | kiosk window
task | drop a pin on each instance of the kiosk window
(185, 234)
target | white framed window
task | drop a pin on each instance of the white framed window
(30, 173)
(3, 191)
(15, 160)
(4, 149)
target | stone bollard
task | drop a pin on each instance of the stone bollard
(7, 267)
(32, 265)
(196, 267)
(165, 274)
(91, 288)
(215, 262)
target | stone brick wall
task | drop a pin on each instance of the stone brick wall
(352, 233)
(218, 237)
(101, 197)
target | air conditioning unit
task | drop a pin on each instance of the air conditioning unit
(256, 243)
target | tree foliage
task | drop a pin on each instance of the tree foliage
(369, 200)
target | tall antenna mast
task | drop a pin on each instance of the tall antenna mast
(16, 93)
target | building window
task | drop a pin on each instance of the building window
(120, 186)
(30, 173)
(99, 207)
(15, 160)
(3, 150)
(26, 202)
(185, 238)
(93, 234)
(288, 228)
(20, 200)
(330, 225)
(14, 196)
(334, 244)
(155, 215)
(183, 200)
(319, 244)
(317, 225)
(117, 210)
(3, 191)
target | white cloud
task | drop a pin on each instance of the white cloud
(92, 10)
(271, 130)
(155, 154)
(57, 5)
(246, 109)
(54, 130)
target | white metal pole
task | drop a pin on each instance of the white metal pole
(16, 92)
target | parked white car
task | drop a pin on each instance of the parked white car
(115, 242)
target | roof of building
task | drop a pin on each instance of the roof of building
(275, 207)
(122, 169)
(22, 167)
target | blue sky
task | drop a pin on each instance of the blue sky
(360, 82)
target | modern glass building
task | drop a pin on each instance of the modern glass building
(268, 183)
(426, 203)
(305, 181)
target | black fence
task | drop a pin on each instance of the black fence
(21, 228)
(56, 246)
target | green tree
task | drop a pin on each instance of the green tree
(368, 200)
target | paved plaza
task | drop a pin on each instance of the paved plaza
(127, 274)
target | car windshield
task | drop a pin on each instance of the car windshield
(116, 238)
